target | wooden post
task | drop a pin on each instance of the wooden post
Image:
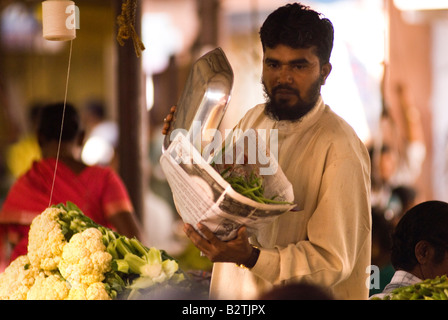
(132, 119)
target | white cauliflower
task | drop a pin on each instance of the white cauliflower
(45, 240)
(85, 259)
(70, 257)
(51, 287)
(95, 291)
(17, 279)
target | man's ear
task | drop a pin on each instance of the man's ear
(325, 71)
(423, 252)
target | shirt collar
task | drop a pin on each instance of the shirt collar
(402, 278)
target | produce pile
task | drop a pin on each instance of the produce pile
(429, 289)
(70, 257)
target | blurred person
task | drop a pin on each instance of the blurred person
(409, 166)
(419, 245)
(327, 240)
(392, 200)
(21, 155)
(401, 200)
(97, 191)
(101, 136)
(395, 167)
(381, 245)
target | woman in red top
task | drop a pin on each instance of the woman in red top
(97, 191)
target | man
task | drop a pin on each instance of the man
(98, 192)
(327, 240)
(419, 246)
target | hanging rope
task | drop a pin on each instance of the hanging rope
(62, 122)
(126, 29)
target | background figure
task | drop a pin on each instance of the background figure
(97, 191)
(419, 245)
(101, 136)
(397, 163)
(21, 155)
(402, 199)
(381, 246)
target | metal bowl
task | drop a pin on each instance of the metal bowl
(204, 99)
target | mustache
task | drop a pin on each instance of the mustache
(285, 87)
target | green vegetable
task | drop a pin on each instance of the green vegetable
(71, 257)
(131, 260)
(429, 289)
(250, 186)
(73, 221)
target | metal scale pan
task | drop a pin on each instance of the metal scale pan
(204, 99)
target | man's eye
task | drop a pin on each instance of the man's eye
(298, 66)
(272, 65)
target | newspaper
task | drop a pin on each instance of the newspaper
(202, 195)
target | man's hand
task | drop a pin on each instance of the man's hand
(237, 250)
(167, 120)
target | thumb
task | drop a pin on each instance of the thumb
(242, 232)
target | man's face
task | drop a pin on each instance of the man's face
(292, 79)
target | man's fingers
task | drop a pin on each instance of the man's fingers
(189, 230)
(216, 250)
(165, 128)
(207, 234)
(200, 242)
(167, 120)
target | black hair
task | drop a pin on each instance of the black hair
(297, 26)
(426, 221)
(50, 120)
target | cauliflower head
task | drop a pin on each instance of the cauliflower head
(17, 279)
(49, 287)
(95, 291)
(45, 240)
(85, 259)
(72, 257)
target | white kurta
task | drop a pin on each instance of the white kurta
(328, 241)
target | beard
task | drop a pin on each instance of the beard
(280, 109)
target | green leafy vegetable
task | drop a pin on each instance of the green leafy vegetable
(429, 289)
(249, 185)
